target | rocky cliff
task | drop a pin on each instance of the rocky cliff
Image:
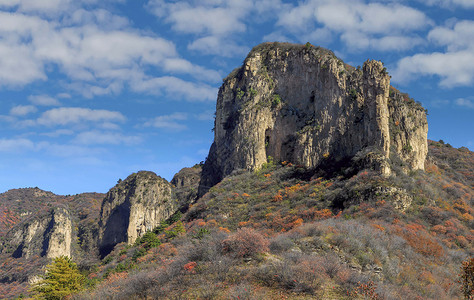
(48, 235)
(301, 104)
(132, 207)
(186, 184)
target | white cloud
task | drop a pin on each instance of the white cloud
(218, 46)
(66, 150)
(360, 25)
(100, 53)
(14, 145)
(179, 65)
(176, 88)
(76, 115)
(171, 122)
(23, 110)
(59, 132)
(449, 3)
(106, 138)
(215, 24)
(203, 17)
(456, 37)
(43, 100)
(455, 66)
(454, 69)
(465, 103)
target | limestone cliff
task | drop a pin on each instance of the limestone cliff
(186, 184)
(48, 235)
(133, 206)
(301, 104)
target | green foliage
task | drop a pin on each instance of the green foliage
(353, 94)
(240, 93)
(175, 217)
(407, 148)
(159, 229)
(62, 278)
(177, 230)
(201, 233)
(253, 92)
(149, 239)
(107, 259)
(308, 45)
(139, 252)
(276, 100)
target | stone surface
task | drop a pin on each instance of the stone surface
(47, 235)
(134, 206)
(302, 104)
(185, 185)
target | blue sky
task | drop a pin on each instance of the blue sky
(91, 91)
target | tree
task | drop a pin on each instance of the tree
(62, 278)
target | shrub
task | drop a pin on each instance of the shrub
(281, 243)
(246, 242)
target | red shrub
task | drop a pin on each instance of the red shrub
(246, 242)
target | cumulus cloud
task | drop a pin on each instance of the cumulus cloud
(360, 25)
(43, 100)
(454, 66)
(93, 48)
(215, 24)
(15, 145)
(76, 115)
(176, 88)
(449, 3)
(23, 110)
(172, 122)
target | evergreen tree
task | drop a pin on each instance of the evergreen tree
(62, 278)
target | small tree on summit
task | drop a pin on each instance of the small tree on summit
(62, 278)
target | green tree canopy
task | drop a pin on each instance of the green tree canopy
(62, 278)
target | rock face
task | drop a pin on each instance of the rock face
(186, 184)
(132, 207)
(302, 104)
(48, 235)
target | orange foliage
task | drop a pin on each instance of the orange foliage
(167, 249)
(278, 197)
(379, 227)
(223, 229)
(115, 277)
(190, 267)
(439, 229)
(243, 224)
(245, 195)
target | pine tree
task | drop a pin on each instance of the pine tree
(62, 278)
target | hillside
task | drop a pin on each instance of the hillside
(282, 233)
(20, 207)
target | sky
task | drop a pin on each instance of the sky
(94, 90)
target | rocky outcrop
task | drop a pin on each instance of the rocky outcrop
(186, 184)
(47, 235)
(134, 206)
(408, 129)
(302, 104)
